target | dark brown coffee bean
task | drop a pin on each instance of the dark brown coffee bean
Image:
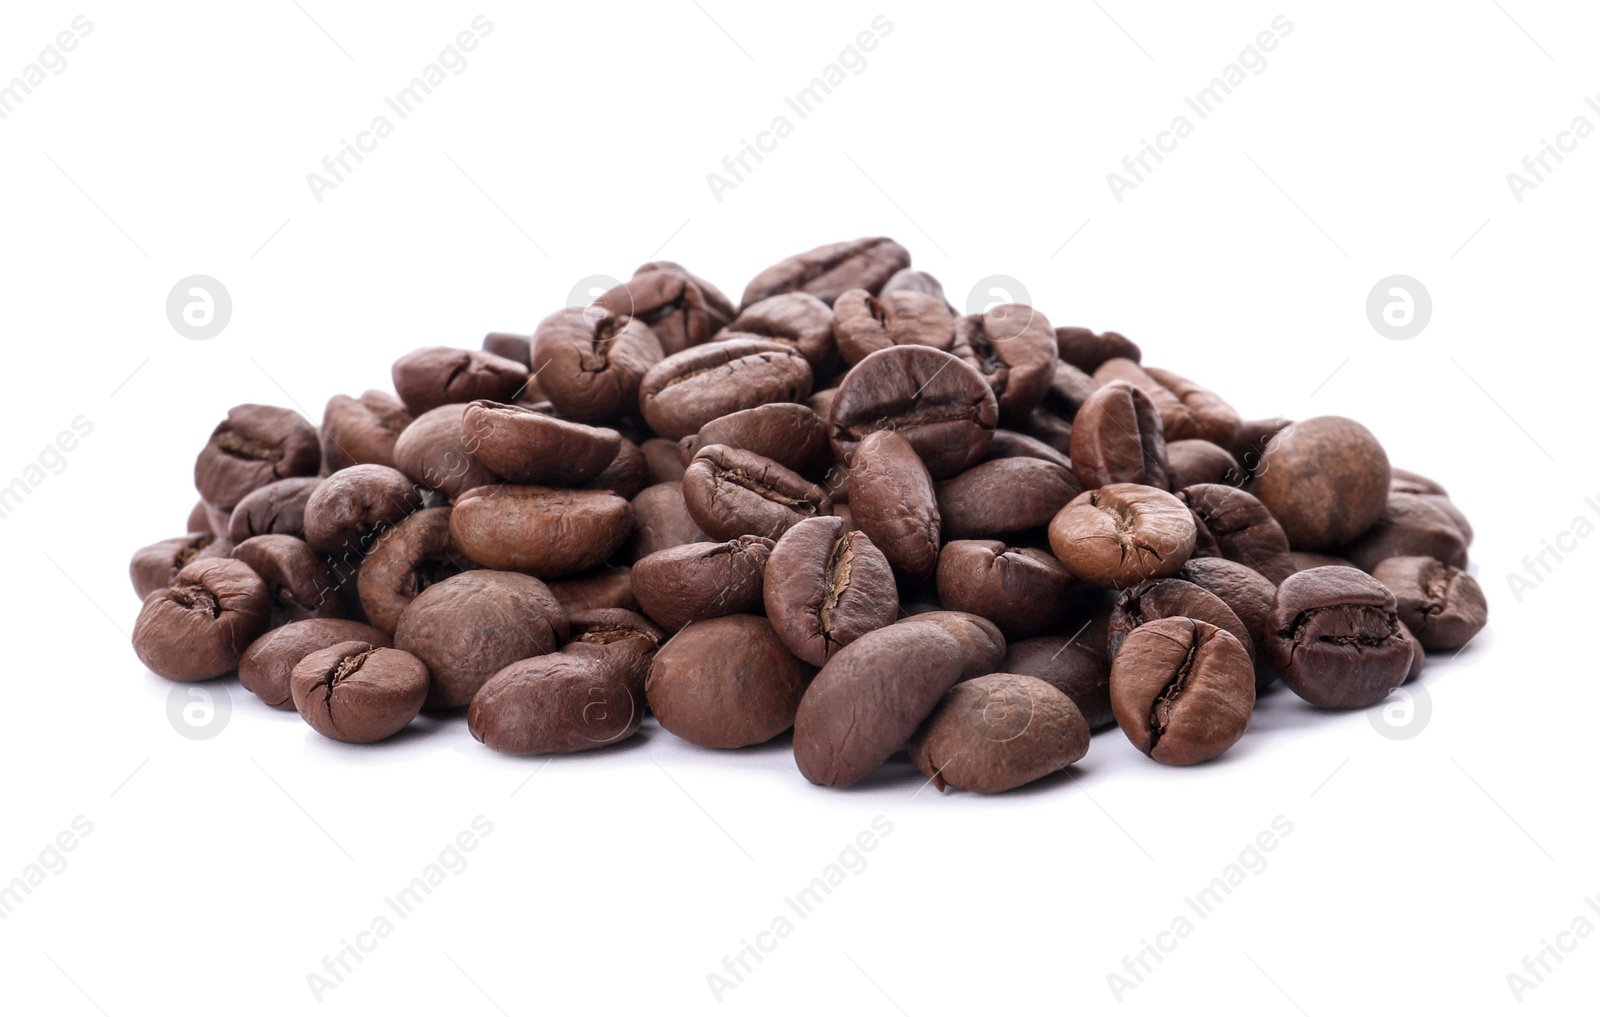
(1003, 496)
(628, 474)
(1022, 590)
(688, 390)
(1182, 690)
(589, 362)
(626, 640)
(1410, 525)
(508, 345)
(867, 702)
(267, 663)
(692, 582)
(197, 627)
(1406, 482)
(912, 280)
(609, 587)
(998, 732)
(1443, 606)
(982, 645)
(829, 270)
(278, 507)
(661, 520)
(359, 692)
(821, 403)
(1069, 389)
(825, 586)
(894, 503)
(731, 492)
(1240, 528)
(437, 376)
(1186, 409)
(681, 309)
(864, 324)
(939, 404)
(1326, 480)
(299, 585)
(789, 434)
(469, 626)
(350, 506)
(1193, 461)
(363, 430)
(1173, 598)
(408, 559)
(1049, 428)
(543, 531)
(1419, 657)
(1014, 349)
(1249, 594)
(155, 566)
(1086, 349)
(724, 683)
(1072, 666)
(798, 319)
(1122, 534)
(436, 453)
(1117, 439)
(1252, 442)
(1336, 638)
(254, 446)
(557, 703)
(661, 458)
(1013, 444)
(1303, 560)
(531, 448)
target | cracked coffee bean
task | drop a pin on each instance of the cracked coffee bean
(790, 434)
(197, 626)
(278, 507)
(350, 506)
(267, 663)
(299, 584)
(680, 308)
(998, 732)
(688, 390)
(627, 641)
(826, 586)
(1024, 591)
(436, 376)
(1014, 349)
(418, 552)
(526, 447)
(1442, 606)
(1117, 439)
(1233, 524)
(1173, 598)
(939, 404)
(589, 362)
(798, 319)
(1087, 349)
(1122, 534)
(1336, 638)
(359, 692)
(253, 447)
(1182, 690)
(864, 324)
(692, 582)
(730, 492)
(827, 271)
(362, 430)
(153, 567)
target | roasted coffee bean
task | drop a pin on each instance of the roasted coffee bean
(864, 324)
(267, 663)
(731, 492)
(436, 376)
(436, 453)
(1303, 560)
(609, 587)
(1419, 657)
(1249, 594)
(1013, 444)
(1173, 598)
(526, 447)
(350, 506)
(1406, 482)
(628, 474)
(1193, 461)
(508, 345)
(1022, 590)
(299, 585)
(998, 732)
(695, 581)
(821, 403)
(359, 692)
(798, 319)
(1326, 481)
(1336, 638)
(1240, 528)
(1050, 428)
(789, 434)
(589, 362)
(829, 270)
(982, 645)
(910, 280)
(1182, 690)
(894, 503)
(1117, 439)
(199, 519)
(867, 702)
(1072, 666)
(688, 390)
(1410, 525)
(661, 457)
(418, 552)
(1069, 389)
(1014, 349)
(543, 531)
(1252, 442)
(724, 683)
(939, 404)
(254, 446)
(826, 586)
(1122, 534)
(661, 520)
(556, 703)
(680, 308)
(1003, 496)
(1087, 349)
(1186, 409)
(362, 430)
(626, 640)
(1442, 606)
(278, 507)
(155, 566)
(196, 627)
(467, 627)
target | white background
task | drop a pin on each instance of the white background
(219, 873)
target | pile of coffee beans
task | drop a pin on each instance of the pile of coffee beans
(839, 507)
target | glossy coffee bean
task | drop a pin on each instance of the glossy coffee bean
(728, 682)
(688, 390)
(1303, 560)
(546, 532)
(254, 446)
(299, 583)
(1069, 389)
(434, 452)
(1249, 594)
(1406, 482)
(1014, 444)
(680, 308)
(661, 520)
(1187, 410)
(626, 640)
(362, 430)
(1050, 428)
(1117, 439)
(1410, 525)
(661, 456)
(509, 345)
(359, 692)
(892, 500)
(1326, 481)
(589, 362)
(437, 376)
(1419, 656)
(1087, 349)
(1253, 442)
(418, 552)
(1442, 606)
(827, 271)
(196, 627)
(998, 732)
(1193, 461)
(526, 447)
(609, 587)
(626, 476)
(1172, 598)
(156, 565)
(1002, 497)
(1072, 666)
(790, 434)
(1022, 590)
(1336, 638)
(825, 586)
(1122, 534)
(1013, 348)
(278, 507)
(731, 492)
(695, 581)
(982, 645)
(1235, 525)
(939, 404)
(1182, 690)
(562, 702)
(864, 324)
(798, 319)
(267, 663)
(350, 506)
